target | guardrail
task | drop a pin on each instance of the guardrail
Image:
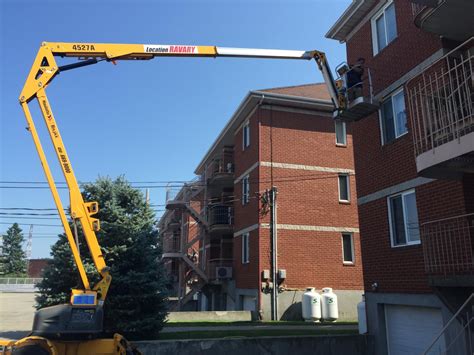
(447, 245)
(441, 99)
(171, 243)
(18, 284)
(457, 335)
(221, 215)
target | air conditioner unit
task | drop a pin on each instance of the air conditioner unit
(224, 272)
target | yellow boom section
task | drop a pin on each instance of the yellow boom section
(45, 68)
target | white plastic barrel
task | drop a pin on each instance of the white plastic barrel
(311, 304)
(362, 316)
(330, 311)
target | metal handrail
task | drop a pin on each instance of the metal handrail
(449, 323)
(447, 219)
(19, 280)
(366, 79)
(440, 100)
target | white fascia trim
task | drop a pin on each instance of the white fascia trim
(364, 20)
(301, 227)
(342, 20)
(221, 135)
(246, 230)
(296, 110)
(319, 104)
(306, 167)
(246, 172)
(263, 95)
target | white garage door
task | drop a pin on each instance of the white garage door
(410, 330)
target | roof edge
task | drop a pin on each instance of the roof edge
(334, 31)
(320, 104)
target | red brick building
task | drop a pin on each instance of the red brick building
(414, 165)
(220, 224)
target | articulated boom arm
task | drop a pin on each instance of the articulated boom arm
(45, 68)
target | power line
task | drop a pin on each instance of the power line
(154, 184)
(36, 224)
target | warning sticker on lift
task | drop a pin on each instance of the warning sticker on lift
(158, 48)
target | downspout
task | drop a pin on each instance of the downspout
(259, 294)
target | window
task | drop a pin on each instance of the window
(403, 219)
(245, 248)
(344, 194)
(384, 27)
(393, 117)
(245, 190)
(245, 135)
(340, 132)
(347, 248)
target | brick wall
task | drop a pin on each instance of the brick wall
(408, 49)
(247, 275)
(380, 166)
(305, 197)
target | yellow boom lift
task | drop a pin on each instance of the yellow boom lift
(76, 328)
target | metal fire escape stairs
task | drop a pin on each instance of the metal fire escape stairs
(195, 277)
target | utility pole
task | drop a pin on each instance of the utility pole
(273, 233)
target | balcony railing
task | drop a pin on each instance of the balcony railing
(417, 8)
(440, 100)
(18, 284)
(447, 246)
(171, 243)
(221, 215)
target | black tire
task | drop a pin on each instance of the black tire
(32, 349)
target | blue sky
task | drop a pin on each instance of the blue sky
(153, 120)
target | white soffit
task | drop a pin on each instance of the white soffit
(350, 19)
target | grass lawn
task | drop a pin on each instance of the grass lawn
(256, 323)
(253, 333)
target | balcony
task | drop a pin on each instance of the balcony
(451, 19)
(441, 112)
(220, 171)
(219, 270)
(171, 246)
(448, 251)
(221, 219)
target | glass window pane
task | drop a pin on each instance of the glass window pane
(398, 222)
(347, 247)
(400, 114)
(343, 188)
(388, 127)
(390, 23)
(381, 40)
(412, 217)
(246, 135)
(340, 132)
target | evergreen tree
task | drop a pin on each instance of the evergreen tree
(13, 260)
(136, 302)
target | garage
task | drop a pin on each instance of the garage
(410, 330)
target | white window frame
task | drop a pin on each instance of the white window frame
(373, 23)
(345, 262)
(348, 188)
(245, 248)
(381, 118)
(344, 132)
(390, 222)
(245, 135)
(245, 190)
